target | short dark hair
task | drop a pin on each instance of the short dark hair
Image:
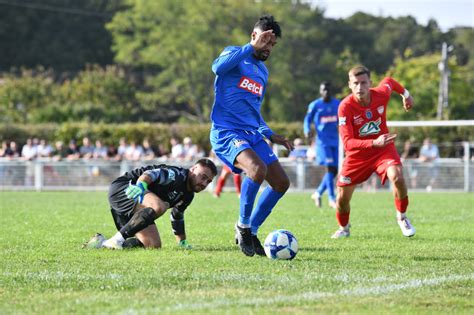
(209, 164)
(326, 84)
(359, 70)
(267, 22)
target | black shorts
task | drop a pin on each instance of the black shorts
(120, 206)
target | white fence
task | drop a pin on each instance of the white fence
(446, 175)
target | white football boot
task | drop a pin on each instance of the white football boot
(408, 230)
(342, 232)
(317, 199)
(112, 244)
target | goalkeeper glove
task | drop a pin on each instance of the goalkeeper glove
(184, 244)
(136, 191)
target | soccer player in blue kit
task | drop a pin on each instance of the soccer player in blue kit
(323, 113)
(238, 130)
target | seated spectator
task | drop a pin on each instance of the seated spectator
(100, 152)
(87, 149)
(429, 154)
(300, 151)
(29, 150)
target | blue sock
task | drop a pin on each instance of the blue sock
(265, 205)
(248, 194)
(330, 185)
(322, 187)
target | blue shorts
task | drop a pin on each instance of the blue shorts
(327, 155)
(228, 143)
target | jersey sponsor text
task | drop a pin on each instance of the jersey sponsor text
(251, 86)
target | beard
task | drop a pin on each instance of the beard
(262, 55)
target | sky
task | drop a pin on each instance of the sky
(448, 14)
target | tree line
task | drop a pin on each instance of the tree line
(136, 60)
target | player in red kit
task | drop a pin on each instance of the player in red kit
(369, 146)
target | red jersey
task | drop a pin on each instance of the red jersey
(359, 125)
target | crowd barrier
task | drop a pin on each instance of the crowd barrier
(42, 175)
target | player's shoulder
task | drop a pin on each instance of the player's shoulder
(229, 49)
(346, 101)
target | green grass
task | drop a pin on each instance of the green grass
(375, 271)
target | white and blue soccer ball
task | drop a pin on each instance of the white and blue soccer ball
(281, 244)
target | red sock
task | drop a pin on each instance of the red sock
(237, 182)
(401, 204)
(342, 218)
(220, 184)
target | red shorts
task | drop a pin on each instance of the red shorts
(356, 171)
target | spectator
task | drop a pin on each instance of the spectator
(3, 150)
(59, 151)
(190, 149)
(134, 152)
(72, 152)
(122, 148)
(429, 154)
(300, 151)
(148, 150)
(29, 150)
(100, 152)
(177, 149)
(87, 149)
(45, 150)
(14, 152)
(311, 152)
(112, 152)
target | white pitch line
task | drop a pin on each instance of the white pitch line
(305, 296)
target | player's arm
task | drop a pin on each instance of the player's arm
(177, 224)
(308, 119)
(389, 85)
(159, 175)
(273, 137)
(230, 58)
(264, 129)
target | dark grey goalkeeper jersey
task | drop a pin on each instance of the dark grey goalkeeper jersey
(168, 183)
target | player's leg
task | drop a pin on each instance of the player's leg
(149, 236)
(331, 174)
(144, 214)
(278, 184)
(255, 170)
(321, 160)
(400, 194)
(237, 183)
(221, 181)
(234, 148)
(343, 209)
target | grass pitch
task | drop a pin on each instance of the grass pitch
(375, 271)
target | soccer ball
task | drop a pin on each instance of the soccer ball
(281, 244)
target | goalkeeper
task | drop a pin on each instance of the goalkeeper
(144, 194)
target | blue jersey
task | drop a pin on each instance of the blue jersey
(324, 117)
(239, 88)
